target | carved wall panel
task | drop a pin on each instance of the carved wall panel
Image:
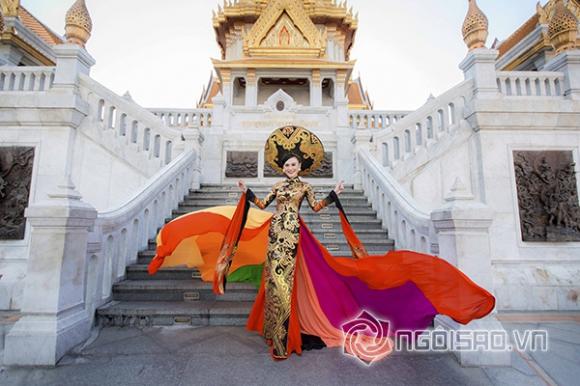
(547, 196)
(325, 170)
(15, 177)
(242, 164)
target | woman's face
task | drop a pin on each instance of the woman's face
(292, 167)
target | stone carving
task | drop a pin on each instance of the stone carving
(547, 196)
(242, 164)
(15, 177)
(324, 171)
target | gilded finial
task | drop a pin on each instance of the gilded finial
(2, 25)
(78, 24)
(475, 27)
(562, 28)
(9, 8)
(542, 14)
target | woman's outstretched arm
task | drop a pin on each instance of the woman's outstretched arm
(319, 205)
(262, 204)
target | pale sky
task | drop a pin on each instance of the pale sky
(160, 50)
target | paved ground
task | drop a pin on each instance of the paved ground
(230, 355)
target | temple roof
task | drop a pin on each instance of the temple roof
(358, 98)
(38, 28)
(513, 54)
(230, 20)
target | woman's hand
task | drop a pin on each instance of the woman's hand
(242, 186)
(339, 187)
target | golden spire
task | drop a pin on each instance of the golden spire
(474, 27)
(78, 24)
(563, 28)
(2, 25)
(10, 7)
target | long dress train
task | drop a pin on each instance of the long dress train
(303, 289)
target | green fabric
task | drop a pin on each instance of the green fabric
(248, 274)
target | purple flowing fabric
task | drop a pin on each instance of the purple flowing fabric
(343, 298)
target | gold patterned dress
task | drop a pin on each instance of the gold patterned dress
(281, 256)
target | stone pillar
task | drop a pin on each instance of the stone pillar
(193, 141)
(251, 88)
(462, 227)
(345, 164)
(54, 317)
(360, 141)
(211, 149)
(71, 61)
(479, 65)
(227, 86)
(315, 89)
(568, 62)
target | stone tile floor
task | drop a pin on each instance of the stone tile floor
(231, 355)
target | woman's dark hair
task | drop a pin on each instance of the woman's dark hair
(291, 155)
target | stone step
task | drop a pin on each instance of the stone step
(364, 210)
(260, 193)
(363, 234)
(311, 217)
(337, 249)
(347, 203)
(179, 290)
(234, 187)
(320, 223)
(139, 272)
(200, 313)
(328, 235)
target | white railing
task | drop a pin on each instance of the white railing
(127, 129)
(119, 234)
(421, 129)
(530, 83)
(408, 223)
(184, 117)
(19, 79)
(374, 119)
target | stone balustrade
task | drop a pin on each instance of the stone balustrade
(530, 83)
(374, 119)
(23, 79)
(421, 129)
(129, 130)
(194, 118)
(408, 224)
(119, 234)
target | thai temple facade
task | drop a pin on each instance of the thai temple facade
(485, 175)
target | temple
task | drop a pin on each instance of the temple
(485, 175)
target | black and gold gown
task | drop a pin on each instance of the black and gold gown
(280, 262)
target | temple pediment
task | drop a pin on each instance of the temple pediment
(285, 28)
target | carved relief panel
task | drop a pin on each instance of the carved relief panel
(15, 178)
(547, 196)
(242, 164)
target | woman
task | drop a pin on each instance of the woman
(283, 245)
(307, 297)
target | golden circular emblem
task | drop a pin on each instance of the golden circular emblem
(296, 141)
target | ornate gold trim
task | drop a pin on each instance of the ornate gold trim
(10, 7)
(297, 63)
(8, 37)
(268, 19)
